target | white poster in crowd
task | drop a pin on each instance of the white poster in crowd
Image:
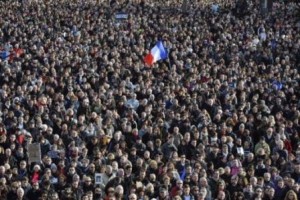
(98, 178)
(34, 153)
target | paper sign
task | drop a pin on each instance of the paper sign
(121, 16)
(34, 153)
(98, 178)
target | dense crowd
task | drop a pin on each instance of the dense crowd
(218, 119)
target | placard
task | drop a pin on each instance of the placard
(120, 16)
(34, 153)
(98, 178)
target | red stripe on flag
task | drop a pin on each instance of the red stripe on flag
(149, 59)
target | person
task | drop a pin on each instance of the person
(186, 194)
(20, 194)
(290, 195)
(3, 190)
(35, 192)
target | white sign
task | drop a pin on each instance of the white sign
(98, 178)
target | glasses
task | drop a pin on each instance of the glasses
(111, 191)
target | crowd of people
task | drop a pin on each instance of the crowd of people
(218, 119)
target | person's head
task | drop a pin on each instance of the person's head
(72, 170)
(296, 187)
(47, 160)
(2, 185)
(128, 169)
(221, 195)
(8, 152)
(235, 163)
(14, 186)
(234, 180)
(280, 144)
(98, 192)
(147, 155)
(203, 182)
(280, 182)
(177, 197)
(85, 197)
(179, 183)
(12, 138)
(202, 193)
(23, 164)
(132, 197)
(260, 181)
(170, 139)
(188, 168)
(117, 135)
(216, 175)
(108, 170)
(271, 192)
(24, 182)
(35, 185)
(262, 139)
(195, 177)
(87, 180)
(239, 196)
(110, 192)
(224, 148)
(187, 137)
(119, 190)
(291, 195)
(54, 196)
(227, 170)
(139, 162)
(20, 192)
(163, 192)
(267, 176)
(290, 182)
(142, 174)
(193, 142)
(259, 192)
(20, 150)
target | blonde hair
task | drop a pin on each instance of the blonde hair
(153, 164)
(295, 197)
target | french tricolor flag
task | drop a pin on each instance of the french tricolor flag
(158, 52)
